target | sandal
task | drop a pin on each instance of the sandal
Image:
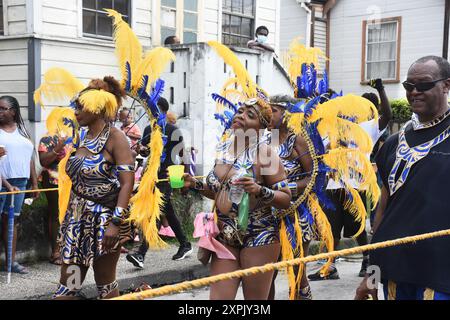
(18, 268)
(56, 259)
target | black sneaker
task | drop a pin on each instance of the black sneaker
(364, 265)
(333, 275)
(184, 251)
(136, 259)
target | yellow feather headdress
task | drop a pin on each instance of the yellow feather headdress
(244, 79)
(128, 47)
(298, 55)
(153, 66)
(98, 101)
(58, 84)
(249, 90)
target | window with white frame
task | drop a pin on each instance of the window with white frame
(96, 22)
(238, 19)
(2, 32)
(168, 19)
(382, 48)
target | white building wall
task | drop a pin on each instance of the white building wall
(212, 20)
(14, 71)
(206, 75)
(58, 25)
(59, 18)
(16, 17)
(422, 34)
(63, 19)
(292, 23)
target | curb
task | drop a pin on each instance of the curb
(155, 280)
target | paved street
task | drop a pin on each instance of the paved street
(342, 289)
(161, 270)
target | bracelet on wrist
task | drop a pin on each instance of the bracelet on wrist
(294, 188)
(266, 195)
(198, 185)
(118, 213)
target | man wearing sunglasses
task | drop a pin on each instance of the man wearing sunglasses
(415, 168)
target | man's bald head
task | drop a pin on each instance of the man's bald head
(443, 66)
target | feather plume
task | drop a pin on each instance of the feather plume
(153, 65)
(323, 227)
(143, 88)
(95, 101)
(146, 204)
(158, 91)
(234, 82)
(224, 102)
(344, 133)
(349, 106)
(295, 122)
(128, 47)
(357, 208)
(352, 164)
(298, 55)
(61, 122)
(245, 80)
(64, 187)
(58, 84)
(291, 240)
(287, 254)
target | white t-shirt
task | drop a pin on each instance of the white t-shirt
(372, 129)
(19, 150)
(1, 160)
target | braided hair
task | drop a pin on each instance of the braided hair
(14, 104)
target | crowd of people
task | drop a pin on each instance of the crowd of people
(88, 225)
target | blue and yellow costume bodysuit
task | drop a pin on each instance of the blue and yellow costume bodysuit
(93, 197)
(295, 172)
(263, 225)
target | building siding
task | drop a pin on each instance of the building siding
(293, 23)
(212, 13)
(14, 71)
(422, 34)
(16, 17)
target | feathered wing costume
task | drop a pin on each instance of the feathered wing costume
(140, 79)
(321, 115)
(318, 115)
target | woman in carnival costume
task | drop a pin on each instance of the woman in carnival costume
(305, 122)
(242, 185)
(297, 159)
(331, 143)
(97, 212)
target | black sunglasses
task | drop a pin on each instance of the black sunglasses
(421, 86)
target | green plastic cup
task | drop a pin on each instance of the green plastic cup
(176, 177)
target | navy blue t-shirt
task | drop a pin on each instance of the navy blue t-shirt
(174, 138)
(421, 205)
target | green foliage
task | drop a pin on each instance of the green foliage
(401, 110)
(186, 208)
